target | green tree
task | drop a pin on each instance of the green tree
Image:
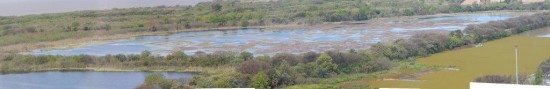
(392, 51)
(146, 54)
(178, 55)
(260, 81)
(324, 66)
(155, 78)
(363, 11)
(286, 75)
(244, 23)
(454, 42)
(74, 26)
(216, 7)
(538, 77)
(246, 55)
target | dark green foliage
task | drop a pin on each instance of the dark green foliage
(224, 80)
(538, 77)
(260, 81)
(178, 55)
(282, 75)
(456, 39)
(494, 30)
(74, 26)
(244, 23)
(324, 66)
(247, 56)
(494, 79)
(545, 66)
(392, 51)
(347, 61)
(216, 7)
(309, 57)
(280, 57)
(380, 64)
(158, 81)
(154, 78)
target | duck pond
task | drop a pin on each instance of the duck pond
(81, 80)
(271, 41)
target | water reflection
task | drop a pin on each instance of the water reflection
(271, 41)
(80, 80)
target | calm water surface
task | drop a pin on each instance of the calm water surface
(271, 41)
(80, 80)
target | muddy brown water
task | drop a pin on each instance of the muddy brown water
(495, 57)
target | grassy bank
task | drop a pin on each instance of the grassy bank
(402, 71)
(205, 70)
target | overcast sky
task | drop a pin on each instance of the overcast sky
(26, 7)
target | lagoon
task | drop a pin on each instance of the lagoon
(81, 80)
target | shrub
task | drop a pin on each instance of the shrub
(280, 57)
(247, 55)
(494, 79)
(538, 77)
(260, 81)
(324, 66)
(252, 67)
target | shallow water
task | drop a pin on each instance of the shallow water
(80, 80)
(26, 7)
(271, 41)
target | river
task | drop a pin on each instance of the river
(80, 80)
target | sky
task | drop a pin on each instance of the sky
(27, 7)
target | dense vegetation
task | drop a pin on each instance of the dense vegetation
(286, 69)
(539, 76)
(159, 81)
(544, 70)
(230, 13)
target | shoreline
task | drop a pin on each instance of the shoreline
(27, 48)
(198, 70)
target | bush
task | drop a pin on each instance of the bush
(252, 67)
(260, 81)
(539, 77)
(309, 57)
(158, 81)
(324, 66)
(280, 57)
(247, 56)
(380, 64)
(222, 80)
(494, 79)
